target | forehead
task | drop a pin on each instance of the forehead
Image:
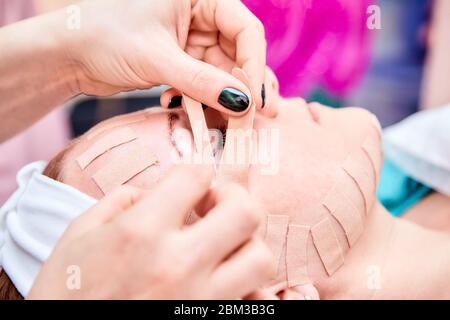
(134, 149)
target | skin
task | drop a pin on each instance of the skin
(320, 139)
(135, 226)
(436, 203)
(45, 63)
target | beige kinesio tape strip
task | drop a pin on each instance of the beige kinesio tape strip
(191, 218)
(296, 255)
(199, 128)
(123, 168)
(373, 151)
(236, 157)
(345, 213)
(356, 166)
(105, 144)
(327, 246)
(275, 238)
(114, 123)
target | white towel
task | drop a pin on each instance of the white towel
(33, 220)
(420, 146)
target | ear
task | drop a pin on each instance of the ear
(305, 292)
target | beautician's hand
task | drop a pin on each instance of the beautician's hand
(135, 245)
(128, 44)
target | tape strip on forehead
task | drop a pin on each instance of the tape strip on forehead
(115, 123)
(124, 167)
(277, 228)
(105, 144)
(345, 213)
(199, 128)
(327, 246)
(296, 255)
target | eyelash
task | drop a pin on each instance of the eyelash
(223, 130)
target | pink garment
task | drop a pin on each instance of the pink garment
(315, 42)
(41, 141)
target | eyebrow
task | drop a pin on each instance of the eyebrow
(172, 118)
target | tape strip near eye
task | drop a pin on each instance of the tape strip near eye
(123, 168)
(105, 144)
(277, 228)
(236, 158)
(296, 255)
(199, 128)
(345, 213)
(327, 246)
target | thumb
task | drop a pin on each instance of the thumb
(206, 83)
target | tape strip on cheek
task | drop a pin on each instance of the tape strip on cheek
(277, 228)
(373, 151)
(296, 255)
(123, 168)
(355, 167)
(199, 128)
(327, 246)
(139, 117)
(345, 213)
(105, 144)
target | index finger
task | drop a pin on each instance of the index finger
(173, 198)
(236, 23)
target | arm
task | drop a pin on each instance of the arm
(44, 63)
(435, 91)
(34, 77)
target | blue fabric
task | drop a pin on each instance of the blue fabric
(397, 191)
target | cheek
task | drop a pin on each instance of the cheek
(354, 124)
(309, 158)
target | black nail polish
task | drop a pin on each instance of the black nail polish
(234, 100)
(175, 102)
(263, 96)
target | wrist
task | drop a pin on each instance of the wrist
(60, 42)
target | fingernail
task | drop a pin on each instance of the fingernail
(234, 100)
(263, 96)
(175, 102)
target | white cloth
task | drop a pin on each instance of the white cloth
(33, 220)
(420, 146)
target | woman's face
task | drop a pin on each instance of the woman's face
(311, 146)
(307, 144)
